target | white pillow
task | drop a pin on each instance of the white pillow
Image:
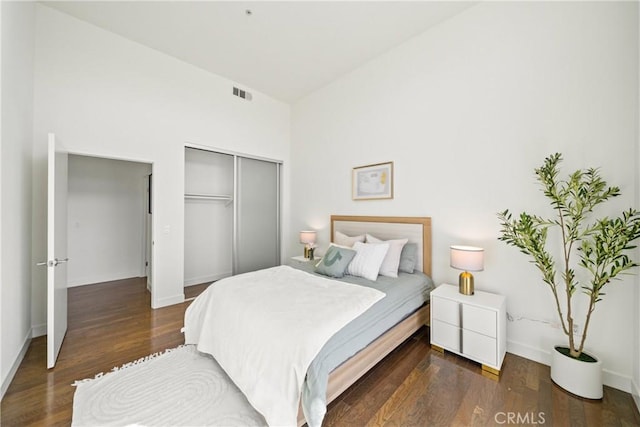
(391, 261)
(368, 259)
(344, 240)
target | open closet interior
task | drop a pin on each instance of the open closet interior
(231, 213)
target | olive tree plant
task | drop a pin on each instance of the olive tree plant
(601, 245)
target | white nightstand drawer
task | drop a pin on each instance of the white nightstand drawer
(480, 347)
(445, 310)
(445, 335)
(473, 326)
(479, 320)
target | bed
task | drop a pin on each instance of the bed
(391, 311)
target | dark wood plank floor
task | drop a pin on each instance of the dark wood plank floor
(112, 323)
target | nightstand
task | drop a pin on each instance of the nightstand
(302, 259)
(472, 326)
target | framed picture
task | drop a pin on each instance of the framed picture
(372, 182)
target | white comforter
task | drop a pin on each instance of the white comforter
(265, 327)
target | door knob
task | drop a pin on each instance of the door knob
(53, 263)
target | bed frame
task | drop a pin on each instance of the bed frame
(417, 230)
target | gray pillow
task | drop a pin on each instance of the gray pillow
(408, 258)
(335, 261)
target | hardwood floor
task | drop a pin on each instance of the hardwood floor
(112, 323)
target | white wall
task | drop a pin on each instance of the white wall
(107, 96)
(466, 111)
(106, 219)
(16, 74)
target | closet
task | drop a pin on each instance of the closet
(232, 214)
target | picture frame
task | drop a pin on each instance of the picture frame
(372, 182)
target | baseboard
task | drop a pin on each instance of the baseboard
(16, 364)
(206, 279)
(616, 380)
(101, 278)
(635, 393)
(39, 330)
(529, 352)
(164, 302)
(609, 378)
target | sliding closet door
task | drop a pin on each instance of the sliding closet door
(257, 229)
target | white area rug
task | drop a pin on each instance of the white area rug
(180, 387)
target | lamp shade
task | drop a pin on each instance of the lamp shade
(307, 237)
(467, 258)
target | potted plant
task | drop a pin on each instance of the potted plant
(601, 248)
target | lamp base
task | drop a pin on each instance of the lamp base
(307, 249)
(465, 283)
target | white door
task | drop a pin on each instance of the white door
(56, 249)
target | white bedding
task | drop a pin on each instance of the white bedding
(265, 327)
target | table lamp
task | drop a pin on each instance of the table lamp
(309, 239)
(467, 258)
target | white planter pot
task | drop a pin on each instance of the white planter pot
(580, 378)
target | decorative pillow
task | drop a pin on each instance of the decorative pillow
(368, 259)
(391, 261)
(344, 240)
(335, 261)
(408, 258)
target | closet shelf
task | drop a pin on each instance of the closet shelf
(212, 197)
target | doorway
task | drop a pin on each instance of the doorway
(108, 211)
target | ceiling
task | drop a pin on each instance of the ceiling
(284, 49)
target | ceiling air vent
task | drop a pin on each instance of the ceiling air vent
(241, 93)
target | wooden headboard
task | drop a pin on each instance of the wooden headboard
(416, 229)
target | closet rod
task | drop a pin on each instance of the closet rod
(207, 197)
